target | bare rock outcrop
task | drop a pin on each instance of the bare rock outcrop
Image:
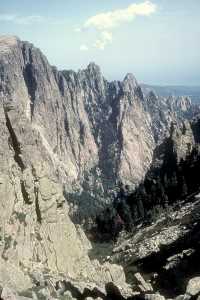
(66, 137)
(96, 133)
(37, 234)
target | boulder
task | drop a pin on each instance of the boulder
(142, 284)
(193, 287)
(8, 294)
(156, 296)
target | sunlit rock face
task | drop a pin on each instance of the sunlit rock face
(94, 133)
(36, 152)
(68, 136)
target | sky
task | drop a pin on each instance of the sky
(158, 40)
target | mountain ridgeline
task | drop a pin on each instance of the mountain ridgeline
(97, 133)
(171, 179)
(69, 142)
(192, 92)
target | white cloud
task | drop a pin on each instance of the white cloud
(109, 20)
(105, 39)
(104, 23)
(27, 20)
(84, 48)
(77, 29)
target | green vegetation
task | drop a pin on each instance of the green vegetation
(162, 188)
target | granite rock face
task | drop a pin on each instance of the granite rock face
(66, 136)
(96, 133)
(36, 232)
(165, 252)
(183, 140)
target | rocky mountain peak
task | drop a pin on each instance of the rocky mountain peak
(130, 82)
(93, 68)
(183, 139)
(67, 140)
(184, 103)
(7, 42)
(93, 73)
(152, 96)
(92, 78)
(91, 128)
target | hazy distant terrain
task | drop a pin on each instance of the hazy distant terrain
(165, 91)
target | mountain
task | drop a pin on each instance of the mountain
(192, 92)
(161, 219)
(68, 142)
(39, 243)
(83, 121)
(90, 128)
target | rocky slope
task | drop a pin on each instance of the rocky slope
(91, 128)
(37, 236)
(161, 251)
(166, 252)
(172, 177)
(67, 140)
(193, 92)
(96, 133)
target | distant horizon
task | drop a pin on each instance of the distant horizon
(169, 85)
(156, 40)
(141, 82)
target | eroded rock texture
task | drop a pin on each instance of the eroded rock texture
(95, 133)
(74, 134)
(36, 150)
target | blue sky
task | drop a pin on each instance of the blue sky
(158, 40)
